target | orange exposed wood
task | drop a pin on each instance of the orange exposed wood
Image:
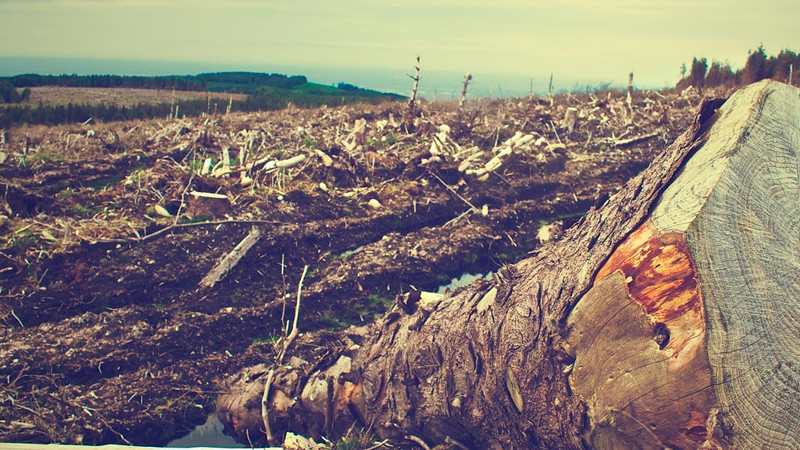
(661, 277)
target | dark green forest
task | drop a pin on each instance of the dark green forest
(235, 82)
(759, 65)
(264, 92)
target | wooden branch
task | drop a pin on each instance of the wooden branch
(291, 162)
(453, 191)
(467, 79)
(198, 194)
(629, 98)
(183, 198)
(231, 259)
(412, 101)
(271, 375)
(633, 140)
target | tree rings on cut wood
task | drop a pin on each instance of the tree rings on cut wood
(689, 335)
(746, 242)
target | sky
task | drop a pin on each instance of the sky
(580, 41)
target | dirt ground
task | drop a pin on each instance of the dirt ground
(110, 330)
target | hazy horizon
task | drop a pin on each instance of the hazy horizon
(505, 43)
(433, 85)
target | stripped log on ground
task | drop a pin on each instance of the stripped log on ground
(666, 318)
(231, 259)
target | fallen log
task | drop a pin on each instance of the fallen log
(666, 318)
(231, 259)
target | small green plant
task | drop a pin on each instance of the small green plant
(309, 142)
(390, 138)
(378, 300)
(196, 164)
(356, 440)
(45, 157)
(271, 339)
(329, 322)
(82, 210)
(103, 183)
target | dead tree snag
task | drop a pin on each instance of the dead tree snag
(411, 111)
(664, 318)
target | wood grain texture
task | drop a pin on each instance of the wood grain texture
(746, 241)
(638, 337)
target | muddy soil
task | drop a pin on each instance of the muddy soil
(107, 334)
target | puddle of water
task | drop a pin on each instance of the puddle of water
(209, 434)
(463, 280)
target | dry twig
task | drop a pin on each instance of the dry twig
(271, 375)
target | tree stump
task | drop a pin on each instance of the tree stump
(665, 318)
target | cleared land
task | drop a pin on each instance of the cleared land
(107, 334)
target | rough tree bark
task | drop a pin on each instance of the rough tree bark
(665, 318)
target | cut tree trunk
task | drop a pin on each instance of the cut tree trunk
(665, 318)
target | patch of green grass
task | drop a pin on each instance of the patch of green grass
(45, 157)
(196, 164)
(390, 138)
(271, 339)
(315, 88)
(83, 211)
(329, 322)
(103, 183)
(309, 142)
(356, 440)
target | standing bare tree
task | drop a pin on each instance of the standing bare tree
(667, 317)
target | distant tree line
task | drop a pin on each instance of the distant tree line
(248, 82)
(180, 83)
(347, 87)
(758, 67)
(240, 82)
